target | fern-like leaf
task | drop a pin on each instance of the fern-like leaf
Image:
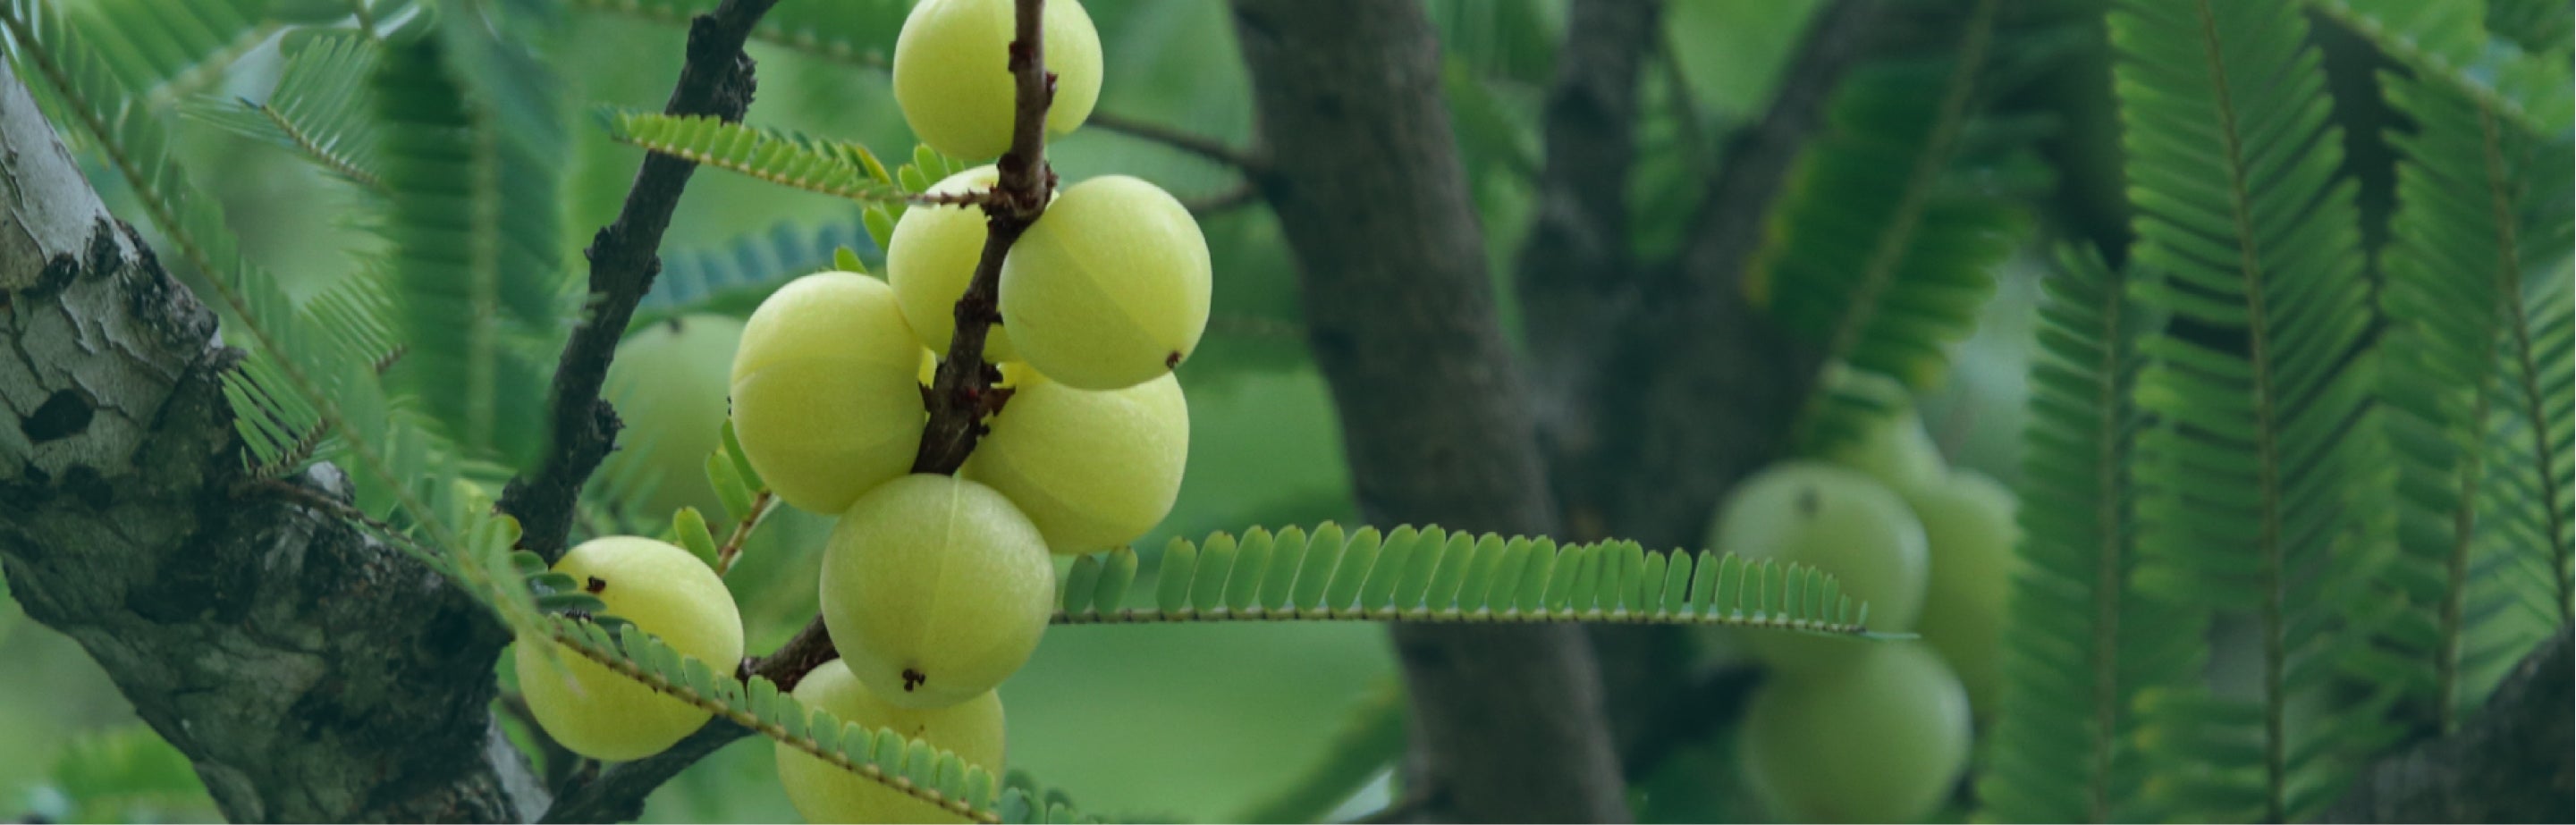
(2447, 42)
(473, 159)
(830, 167)
(2471, 187)
(2539, 26)
(2078, 643)
(911, 766)
(1881, 252)
(163, 49)
(1429, 574)
(320, 109)
(2246, 490)
(733, 278)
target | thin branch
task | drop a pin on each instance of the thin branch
(961, 395)
(715, 80)
(761, 504)
(1249, 162)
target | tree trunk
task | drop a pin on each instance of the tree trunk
(1370, 194)
(308, 672)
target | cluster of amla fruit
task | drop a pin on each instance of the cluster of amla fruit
(935, 587)
(1849, 730)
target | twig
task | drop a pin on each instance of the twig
(961, 395)
(1210, 148)
(715, 80)
(761, 504)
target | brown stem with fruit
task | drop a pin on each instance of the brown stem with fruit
(960, 396)
(962, 393)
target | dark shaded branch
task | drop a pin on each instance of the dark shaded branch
(1700, 387)
(1210, 148)
(1649, 409)
(1575, 262)
(962, 394)
(2514, 762)
(618, 793)
(624, 257)
(1401, 318)
(248, 628)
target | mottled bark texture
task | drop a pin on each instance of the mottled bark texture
(308, 672)
(1367, 183)
(2515, 761)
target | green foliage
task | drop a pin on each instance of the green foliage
(322, 108)
(2537, 25)
(2248, 493)
(884, 755)
(1429, 574)
(857, 32)
(831, 167)
(472, 163)
(2473, 188)
(2448, 44)
(126, 774)
(1886, 239)
(1369, 741)
(734, 278)
(160, 49)
(2077, 646)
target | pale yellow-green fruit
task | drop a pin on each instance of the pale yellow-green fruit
(1893, 447)
(825, 793)
(1838, 521)
(1092, 469)
(824, 397)
(669, 384)
(931, 258)
(1882, 741)
(1896, 450)
(1968, 525)
(935, 589)
(599, 713)
(952, 72)
(1109, 287)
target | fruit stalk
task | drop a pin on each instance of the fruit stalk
(731, 549)
(962, 393)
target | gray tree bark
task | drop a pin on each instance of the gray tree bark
(309, 673)
(1400, 313)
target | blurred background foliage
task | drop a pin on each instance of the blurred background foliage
(1176, 723)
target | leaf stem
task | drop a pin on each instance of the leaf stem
(761, 503)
